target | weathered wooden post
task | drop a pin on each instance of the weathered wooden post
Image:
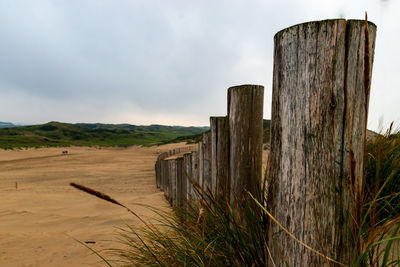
(205, 163)
(201, 162)
(187, 174)
(195, 174)
(320, 101)
(245, 120)
(159, 170)
(219, 156)
(164, 173)
(180, 182)
(172, 181)
(206, 158)
(168, 181)
(160, 174)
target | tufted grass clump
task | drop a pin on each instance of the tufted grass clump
(203, 233)
(208, 233)
(379, 232)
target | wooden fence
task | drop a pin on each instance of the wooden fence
(321, 81)
(167, 171)
(223, 156)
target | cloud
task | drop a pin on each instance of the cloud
(138, 61)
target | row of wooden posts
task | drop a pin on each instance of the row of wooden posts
(231, 149)
(171, 176)
(321, 80)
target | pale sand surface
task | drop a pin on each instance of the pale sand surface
(40, 218)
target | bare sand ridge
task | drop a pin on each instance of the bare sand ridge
(40, 212)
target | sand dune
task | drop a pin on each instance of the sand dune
(40, 213)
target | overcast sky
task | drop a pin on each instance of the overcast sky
(166, 61)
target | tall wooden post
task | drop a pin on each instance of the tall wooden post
(201, 164)
(206, 149)
(172, 181)
(195, 173)
(219, 156)
(319, 73)
(164, 174)
(245, 119)
(159, 170)
(180, 182)
(187, 174)
(205, 162)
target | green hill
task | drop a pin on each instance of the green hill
(6, 125)
(195, 138)
(84, 134)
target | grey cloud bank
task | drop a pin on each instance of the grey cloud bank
(166, 62)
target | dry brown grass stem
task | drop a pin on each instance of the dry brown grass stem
(96, 193)
(111, 200)
(106, 198)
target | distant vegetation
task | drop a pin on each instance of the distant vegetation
(83, 134)
(57, 134)
(267, 132)
(6, 125)
(191, 139)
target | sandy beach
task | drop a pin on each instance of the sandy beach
(40, 214)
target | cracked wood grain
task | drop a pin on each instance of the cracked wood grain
(309, 171)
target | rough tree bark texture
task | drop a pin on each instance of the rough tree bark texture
(314, 64)
(219, 156)
(245, 120)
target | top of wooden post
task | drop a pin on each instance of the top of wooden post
(216, 117)
(316, 23)
(244, 86)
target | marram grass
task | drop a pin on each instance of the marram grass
(207, 233)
